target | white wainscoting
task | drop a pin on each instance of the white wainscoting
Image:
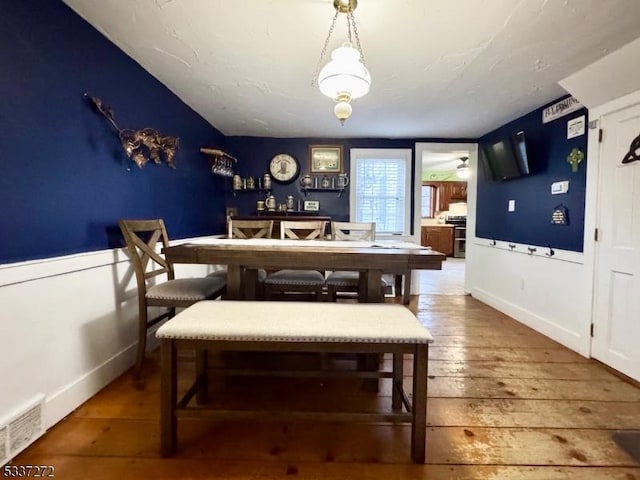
(549, 294)
(68, 328)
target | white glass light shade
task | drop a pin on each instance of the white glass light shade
(342, 110)
(345, 73)
(463, 171)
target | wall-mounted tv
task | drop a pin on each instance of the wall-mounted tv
(507, 158)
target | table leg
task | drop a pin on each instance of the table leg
(250, 282)
(234, 282)
(168, 397)
(406, 293)
(374, 286)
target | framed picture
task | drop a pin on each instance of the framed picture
(325, 158)
(311, 205)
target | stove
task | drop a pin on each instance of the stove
(459, 223)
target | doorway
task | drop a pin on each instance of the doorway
(437, 162)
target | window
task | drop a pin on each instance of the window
(381, 189)
(428, 196)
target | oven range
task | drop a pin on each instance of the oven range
(459, 223)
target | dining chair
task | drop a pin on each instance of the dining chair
(297, 281)
(245, 229)
(348, 281)
(142, 238)
(250, 228)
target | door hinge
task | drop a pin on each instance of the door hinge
(593, 329)
(595, 234)
(600, 134)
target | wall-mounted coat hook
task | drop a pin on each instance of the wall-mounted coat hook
(531, 250)
(493, 243)
(551, 253)
(512, 246)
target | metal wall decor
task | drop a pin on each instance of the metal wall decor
(575, 157)
(140, 145)
(633, 155)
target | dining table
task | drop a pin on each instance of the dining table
(244, 257)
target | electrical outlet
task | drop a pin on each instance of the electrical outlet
(512, 206)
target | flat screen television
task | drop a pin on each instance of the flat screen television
(507, 158)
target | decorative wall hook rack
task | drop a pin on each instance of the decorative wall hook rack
(222, 163)
(140, 145)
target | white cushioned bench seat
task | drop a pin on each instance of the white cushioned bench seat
(296, 322)
(302, 327)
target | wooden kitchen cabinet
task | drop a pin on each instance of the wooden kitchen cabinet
(458, 190)
(439, 238)
(448, 191)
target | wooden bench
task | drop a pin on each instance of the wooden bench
(296, 327)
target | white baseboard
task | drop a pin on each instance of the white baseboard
(545, 326)
(64, 401)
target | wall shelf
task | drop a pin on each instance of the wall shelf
(246, 190)
(320, 189)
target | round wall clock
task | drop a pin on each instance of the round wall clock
(284, 168)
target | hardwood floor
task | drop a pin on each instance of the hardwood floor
(503, 403)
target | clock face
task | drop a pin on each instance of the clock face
(284, 168)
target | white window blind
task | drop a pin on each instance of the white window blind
(427, 197)
(381, 193)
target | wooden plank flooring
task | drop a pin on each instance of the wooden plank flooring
(504, 402)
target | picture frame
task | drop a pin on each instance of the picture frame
(325, 158)
(311, 205)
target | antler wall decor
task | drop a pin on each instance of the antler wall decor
(140, 145)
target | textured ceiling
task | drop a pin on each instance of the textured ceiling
(440, 68)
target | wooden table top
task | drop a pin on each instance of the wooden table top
(303, 254)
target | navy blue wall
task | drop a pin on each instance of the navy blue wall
(548, 148)
(64, 179)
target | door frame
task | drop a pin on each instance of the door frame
(472, 185)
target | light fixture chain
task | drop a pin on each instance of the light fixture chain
(355, 31)
(314, 81)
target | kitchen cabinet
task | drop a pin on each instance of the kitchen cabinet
(458, 190)
(448, 191)
(439, 238)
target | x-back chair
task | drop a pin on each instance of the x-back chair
(306, 281)
(346, 281)
(142, 237)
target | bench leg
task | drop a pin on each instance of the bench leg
(168, 397)
(202, 366)
(419, 413)
(396, 398)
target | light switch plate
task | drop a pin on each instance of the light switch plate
(512, 206)
(560, 187)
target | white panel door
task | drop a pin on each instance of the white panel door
(616, 339)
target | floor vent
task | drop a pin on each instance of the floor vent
(22, 429)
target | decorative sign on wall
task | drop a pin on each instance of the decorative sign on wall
(575, 127)
(633, 155)
(575, 157)
(560, 109)
(560, 215)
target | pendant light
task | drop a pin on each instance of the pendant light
(345, 77)
(462, 171)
